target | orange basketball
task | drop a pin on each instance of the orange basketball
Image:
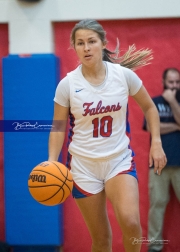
(50, 183)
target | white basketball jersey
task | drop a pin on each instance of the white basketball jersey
(98, 117)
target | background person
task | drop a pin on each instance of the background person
(95, 96)
(168, 105)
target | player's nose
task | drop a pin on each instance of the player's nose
(86, 47)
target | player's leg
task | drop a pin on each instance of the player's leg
(94, 212)
(159, 197)
(90, 197)
(122, 191)
(175, 179)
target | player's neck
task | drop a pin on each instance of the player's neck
(94, 74)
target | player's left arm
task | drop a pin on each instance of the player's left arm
(156, 155)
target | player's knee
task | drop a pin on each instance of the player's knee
(102, 246)
(132, 228)
(102, 243)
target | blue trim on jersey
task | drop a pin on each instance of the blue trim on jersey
(128, 130)
(68, 161)
(71, 132)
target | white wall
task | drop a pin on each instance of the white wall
(30, 24)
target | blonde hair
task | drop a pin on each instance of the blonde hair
(132, 58)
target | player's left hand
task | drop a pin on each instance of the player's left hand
(157, 158)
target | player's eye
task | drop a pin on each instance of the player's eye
(80, 43)
(92, 41)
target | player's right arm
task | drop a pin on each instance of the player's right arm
(57, 134)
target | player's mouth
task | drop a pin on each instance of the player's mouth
(88, 56)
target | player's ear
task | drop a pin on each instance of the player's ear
(104, 45)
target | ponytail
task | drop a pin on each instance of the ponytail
(131, 59)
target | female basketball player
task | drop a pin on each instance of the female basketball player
(95, 95)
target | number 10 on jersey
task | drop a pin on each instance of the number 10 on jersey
(102, 127)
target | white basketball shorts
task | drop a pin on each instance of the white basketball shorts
(90, 176)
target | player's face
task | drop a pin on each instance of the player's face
(172, 80)
(88, 47)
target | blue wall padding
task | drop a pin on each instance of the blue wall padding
(28, 91)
